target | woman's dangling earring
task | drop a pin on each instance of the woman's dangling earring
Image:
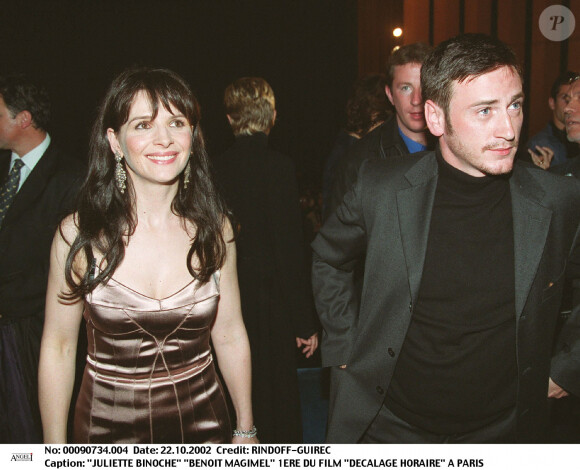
(120, 173)
(186, 175)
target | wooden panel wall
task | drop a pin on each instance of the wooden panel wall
(478, 16)
(376, 21)
(445, 20)
(418, 28)
(574, 41)
(513, 21)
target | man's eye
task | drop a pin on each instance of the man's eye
(516, 105)
(484, 111)
(405, 88)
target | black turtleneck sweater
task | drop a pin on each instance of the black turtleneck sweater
(457, 369)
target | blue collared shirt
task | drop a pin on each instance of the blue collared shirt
(412, 146)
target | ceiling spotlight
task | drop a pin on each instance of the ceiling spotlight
(397, 32)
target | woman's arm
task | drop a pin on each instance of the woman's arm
(231, 344)
(59, 343)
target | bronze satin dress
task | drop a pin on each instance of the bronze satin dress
(150, 376)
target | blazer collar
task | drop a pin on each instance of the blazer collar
(390, 138)
(5, 158)
(415, 205)
(258, 139)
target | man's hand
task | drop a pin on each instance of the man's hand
(310, 344)
(555, 391)
(543, 156)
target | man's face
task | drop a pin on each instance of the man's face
(8, 127)
(557, 105)
(405, 96)
(486, 118)
(572, 112)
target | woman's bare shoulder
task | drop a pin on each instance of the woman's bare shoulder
(68, 229)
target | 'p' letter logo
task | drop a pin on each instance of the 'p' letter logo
(557, 23)
(556, 20)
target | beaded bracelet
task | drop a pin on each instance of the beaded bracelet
(246, 434)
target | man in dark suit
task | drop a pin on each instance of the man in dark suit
(466, 256)
(402, 133)
(553, 135)
(38, 184)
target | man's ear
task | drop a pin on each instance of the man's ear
(113, 141)
(24, 119)
(435, 118)
(389, 94)
(551, 103)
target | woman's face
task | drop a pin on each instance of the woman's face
(155, 150)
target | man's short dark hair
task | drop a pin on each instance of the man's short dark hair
(409, 54)
(461, 58)
(20, 93)
(563, 79)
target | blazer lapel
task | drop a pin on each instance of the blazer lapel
(4, 165)
(33, 186)
(531, 225)
(415, 205)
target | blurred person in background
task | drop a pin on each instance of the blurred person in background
(366, 109)
(402, 133)
(551, 147)
(39, 182)
(261, 190)
(572, 122)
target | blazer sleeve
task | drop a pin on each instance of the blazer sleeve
(337, 248)
(565, 366)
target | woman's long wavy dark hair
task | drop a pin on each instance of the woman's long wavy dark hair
(106, 217)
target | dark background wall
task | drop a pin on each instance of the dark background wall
(309, 50)
(306, 49)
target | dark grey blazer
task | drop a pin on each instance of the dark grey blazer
(387, 214)
(384, 142)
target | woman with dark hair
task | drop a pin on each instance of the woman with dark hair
(148, 260)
